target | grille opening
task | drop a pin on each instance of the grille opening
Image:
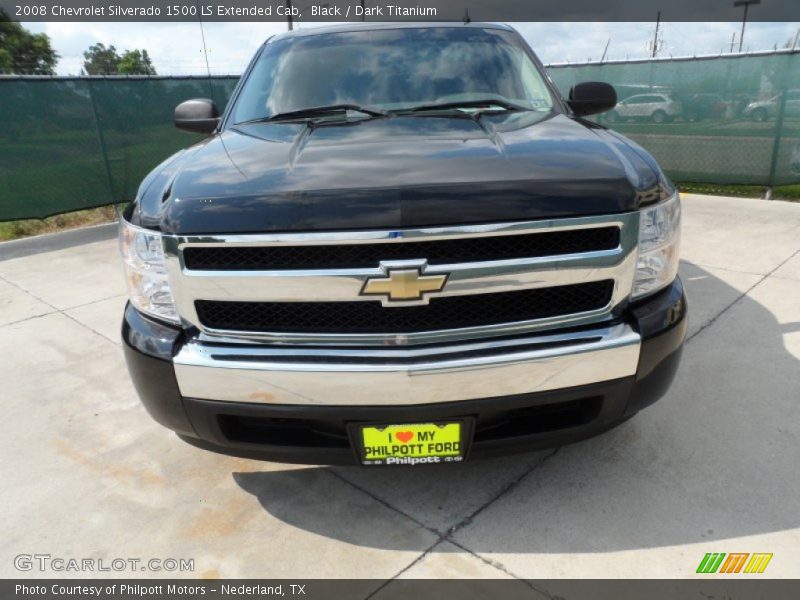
(541, 419)
(437, 252)
(280, 432)
(309, 433)
(447, 312)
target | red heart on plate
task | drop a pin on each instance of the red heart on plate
(404, 436)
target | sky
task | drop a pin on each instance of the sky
(177, 48)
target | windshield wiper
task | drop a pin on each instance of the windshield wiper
(484, 103)
(318, 111)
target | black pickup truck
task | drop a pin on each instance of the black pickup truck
(400, 245)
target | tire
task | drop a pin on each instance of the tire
(759, 114)
(658, 116)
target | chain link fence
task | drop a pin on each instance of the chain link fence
(723, 120)
(68, 143)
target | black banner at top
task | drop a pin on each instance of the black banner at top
(400, 10)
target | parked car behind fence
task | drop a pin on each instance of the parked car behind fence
(658, 108)
(697, 107)
(761, 110)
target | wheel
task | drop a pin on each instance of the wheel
(759, 114)
(658, 116)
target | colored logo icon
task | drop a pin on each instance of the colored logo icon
(735, 562)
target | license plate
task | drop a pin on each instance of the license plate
(412, 444)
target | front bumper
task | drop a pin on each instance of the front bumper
(295, 406)
(397, 377)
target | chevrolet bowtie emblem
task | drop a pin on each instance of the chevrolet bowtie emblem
(403, 284)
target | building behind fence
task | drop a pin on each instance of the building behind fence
(68, 143)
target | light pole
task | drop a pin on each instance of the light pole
(655, 35)
(746, 4)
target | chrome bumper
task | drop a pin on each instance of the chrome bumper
(355, 377)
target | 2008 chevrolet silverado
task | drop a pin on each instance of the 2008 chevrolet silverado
(400, 245)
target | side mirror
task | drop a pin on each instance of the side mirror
(592, 97)
(200, 115)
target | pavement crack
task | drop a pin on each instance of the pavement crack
(106, 338)
(404, 569)
(501, 567)
(383, 502)
(58, 310)
(740, 296)
(446, 536)
(31, 318)
(506, 488)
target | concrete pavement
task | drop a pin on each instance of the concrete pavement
(711, 468)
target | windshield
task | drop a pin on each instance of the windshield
(391, 69)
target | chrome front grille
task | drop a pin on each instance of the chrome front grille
(435, 252)
(502, 279)
(449, 312)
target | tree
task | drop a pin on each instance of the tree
(102, 60)
(24, 52)
(136, 62)
(99, 60)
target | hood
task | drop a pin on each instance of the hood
(394, 173)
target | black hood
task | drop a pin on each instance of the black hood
(395, 173)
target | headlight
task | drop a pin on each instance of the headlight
(146, 272)
(659, 241)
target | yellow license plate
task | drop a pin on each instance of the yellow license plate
(412, 444)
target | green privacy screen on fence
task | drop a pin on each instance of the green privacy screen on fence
(73, 143)
(725, 120)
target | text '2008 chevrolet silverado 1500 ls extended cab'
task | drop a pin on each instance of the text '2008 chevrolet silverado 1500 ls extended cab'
(400, 245)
